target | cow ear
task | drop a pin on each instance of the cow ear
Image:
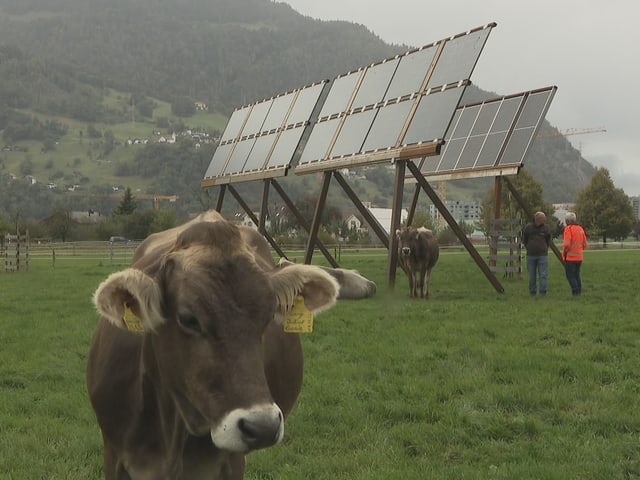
(130, 300)
(317, 287)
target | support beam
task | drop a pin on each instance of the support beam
(366, 214)
(414, 205)
(223, 189)
(454, 226)
(497, 209)
(396, 208)
(264, 207)
(527, 211)
(416, 196)
(303, 222)
(255, 220)
(315, 223)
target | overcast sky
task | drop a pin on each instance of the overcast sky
(589, 49)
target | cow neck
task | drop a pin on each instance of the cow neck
(159, 412)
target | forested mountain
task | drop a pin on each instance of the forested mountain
(62, 60)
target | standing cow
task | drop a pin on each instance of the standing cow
(418, 253)
(189, 367)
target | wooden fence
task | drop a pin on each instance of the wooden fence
(14, 251)
(105, 253)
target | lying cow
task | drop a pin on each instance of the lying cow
(189, 367)
(353, 286)
(418, 253)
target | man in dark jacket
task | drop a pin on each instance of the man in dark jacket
(536, 238)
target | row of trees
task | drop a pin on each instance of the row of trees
(604, 211)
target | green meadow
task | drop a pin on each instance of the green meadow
(471, 384)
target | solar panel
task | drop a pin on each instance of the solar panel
(401, 101)
(264, 135)
(490, 138)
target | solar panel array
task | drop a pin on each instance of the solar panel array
(490, 138)
(401, 101)
(264, 136)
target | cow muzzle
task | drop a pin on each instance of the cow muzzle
(242, 430)
(406, 251)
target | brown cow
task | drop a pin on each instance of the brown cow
(189, 368)
(418, 253)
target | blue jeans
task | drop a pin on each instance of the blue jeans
(572, 270)
(538, 266)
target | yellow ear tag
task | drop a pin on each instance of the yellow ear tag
(131, 320)
(299, 319)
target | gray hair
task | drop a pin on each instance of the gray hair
(569, 218)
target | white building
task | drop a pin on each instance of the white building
(383, 216)
(461, 210)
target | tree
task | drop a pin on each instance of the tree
(60, 224)
(163, 220)
(422, 218)
(604, 210)
(127, 205)
(183, 106)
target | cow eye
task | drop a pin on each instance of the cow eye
(189, 322)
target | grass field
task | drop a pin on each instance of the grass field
(472, 384)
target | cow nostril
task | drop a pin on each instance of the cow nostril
(260, 433)
(247, 431)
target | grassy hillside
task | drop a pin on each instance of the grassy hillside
(77, 158)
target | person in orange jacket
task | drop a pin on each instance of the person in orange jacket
(574, 243)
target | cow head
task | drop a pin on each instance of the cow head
(409, 239)
(406, 238)
(203, 310)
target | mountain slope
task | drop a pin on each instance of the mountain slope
(63, 58)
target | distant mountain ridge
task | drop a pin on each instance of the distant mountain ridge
(58, 56)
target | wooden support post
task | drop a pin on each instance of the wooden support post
(497, 208)
(303, 222)
(396, 209)
(264, 207)
(255, 220)
(370, 219)
(315, 223)
(220, 199)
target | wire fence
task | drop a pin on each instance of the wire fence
(104, 253)
(121, 253)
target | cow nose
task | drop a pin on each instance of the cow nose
(406, 250)
(246, 429)
(260, 432)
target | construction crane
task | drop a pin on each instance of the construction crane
(144, 196)
(157, 198)
(570, 131)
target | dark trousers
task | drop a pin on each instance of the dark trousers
(572, 270)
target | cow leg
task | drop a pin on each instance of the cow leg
(113, 469)
(412, 284)
(427, 282)
(423, 274)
